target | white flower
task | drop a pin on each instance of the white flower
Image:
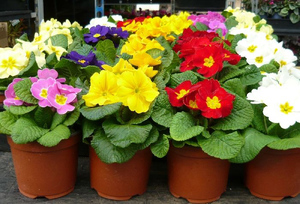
(103, 21)
(260, 57)
(12, 62)
(285, 58)
(117, 17)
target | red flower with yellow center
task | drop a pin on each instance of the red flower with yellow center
(177, 95)
(214, 101)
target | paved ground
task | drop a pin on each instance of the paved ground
(157, 192)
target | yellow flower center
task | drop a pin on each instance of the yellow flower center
(16, 98)
(282, 63)
(213, 103)
(182, 93)
(60, 99)
(209, 62)
(97, 35)
(38, 38)
(286, 108)
(44, 93)
(275, 50)
(193, 104)
(259, 59)
(252, 48)
(81, 61)
(9, 63)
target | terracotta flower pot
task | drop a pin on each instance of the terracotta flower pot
(45, 171)
(196, 176)
(274, 174)
(120, 181)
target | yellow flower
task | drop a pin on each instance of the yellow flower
(133, 26)
(148, 71)
(120, 67)
(154, 44)
(144, 59)
(136, 91)
(102, 90)
(132, 46)
(12, 62)
(55, 49)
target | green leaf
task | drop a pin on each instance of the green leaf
(236, 86)
(88, 128)
(43, 117)
(286, 143)
(162, 110)
(108, 152)
(222, 145)
(201, 26)
(54, 137)
(230, 22)
(90, 70)
(178, 78)
(154, 53)
(100, 112)
(107, 51)
(183, 127)
(20, 110)
(59, 40)
(178, 144)
(57, 120)
(31, 69)
(254, 142)
(294, 18)
(22, 90)
(51, 60)
(161, 79)
(251, 76)
(236, 39)
(167, 58)
(161, 147)
(84, 49)
(72, 117)
(25, 130)
(241, 116)
(67, 68)
(269, 68)
(124, 135)
(7, 120)
(125, 115)
(259, 120)
(229, 73)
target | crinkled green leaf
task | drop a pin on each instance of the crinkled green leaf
(259, 120)
(90, 70)
(20, 110)
(22, 90)
(183, 127)
(59, 40)
(26, 130)
(201, 26)
(67, 68)
(231, 22)
(161, 80)
(236, 86)
(222, 145)
(88, 128)
(286, 143)
(84, 49)
(110, 153)
(161, 147)
(54, 137)
(163, 112)
(178, 78)
(43, 117)
(125, 115)
(7, 120)
(122, 135)
(97, 113)
(229, 73)
(72, 117)
(106, 51)
(57, 120)
(241, 116)
(269, 68)
(51, 60)
(251, 76)
(153, 136)
(254, 142)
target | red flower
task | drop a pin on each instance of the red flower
(213, 100)
(230, 57)
(124, 23)
(177, 95)
(190, 100)
(209, 60)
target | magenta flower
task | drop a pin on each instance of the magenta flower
(10, 96)
(49, 73)
(62, 96)
(39, 90)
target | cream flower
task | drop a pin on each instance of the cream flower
(103, 21)
(54, 49)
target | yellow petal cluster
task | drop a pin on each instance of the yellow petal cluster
(122, 83)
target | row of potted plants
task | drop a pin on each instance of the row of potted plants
(204, 90)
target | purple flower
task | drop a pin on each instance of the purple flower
(117, 32)
(98, 63)
(96, 33)
(10, 96)
(84, 61)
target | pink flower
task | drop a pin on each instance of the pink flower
(39, 90)
(49, 73)
(61, 96)
(10, 96)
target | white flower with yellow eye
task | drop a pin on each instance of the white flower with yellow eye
(285, 58)
(12, 62)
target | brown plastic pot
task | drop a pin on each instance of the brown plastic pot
(274, 174)
(45, 171)
(120, 181)
(196, 176)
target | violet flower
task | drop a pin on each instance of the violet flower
(117, 32)
(84, 61)
(96, 33)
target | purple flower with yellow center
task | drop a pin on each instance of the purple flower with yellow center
(10, 96)
(96, 33)
(61, 97)
(117, 33)
(83, 60)
(39, 90)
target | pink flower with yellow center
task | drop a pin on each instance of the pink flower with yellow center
(39, 90)
(10, 96)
